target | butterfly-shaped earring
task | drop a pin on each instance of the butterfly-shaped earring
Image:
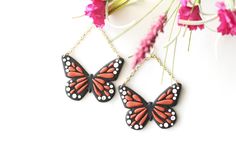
(81, 82)
(140, 111)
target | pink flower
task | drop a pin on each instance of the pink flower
(227, 20)
(97, 11)
(191, 14)
(149, 41)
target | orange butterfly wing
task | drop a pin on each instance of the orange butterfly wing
(103, 88)
(162, 112)
(137, 117)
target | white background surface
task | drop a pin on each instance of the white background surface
(38, 119)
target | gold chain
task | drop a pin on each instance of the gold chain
(85, 35)
(151, 56)
(110, 43)
(80, 40)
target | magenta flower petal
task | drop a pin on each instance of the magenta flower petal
(97, 11)
(148, 42)
(227, 20)
(192, 14)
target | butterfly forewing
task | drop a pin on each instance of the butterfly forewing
(137, 117)
(72, 68)
(110, 71)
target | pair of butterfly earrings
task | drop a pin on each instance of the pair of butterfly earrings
(101, 85)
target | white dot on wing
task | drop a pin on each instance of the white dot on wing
(128, 121)
(166, 125)
(174, 91)
(124, 92)
(67, 63)
(68, 89)
(74, 96)
(172, 117)
(103, 97)
(136, 126)
(116, 65)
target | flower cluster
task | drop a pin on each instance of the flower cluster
(149, 41)
(189, 16)
(227, 20)
(97, 11)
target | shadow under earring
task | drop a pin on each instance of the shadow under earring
(141, 111)
(81, 82)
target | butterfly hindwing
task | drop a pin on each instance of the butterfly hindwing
(162, 112)
(77, 87)
(103, 88)
(137, 117)
(165, 117)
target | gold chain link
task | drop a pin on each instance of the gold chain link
(80, 40)
(85, 35)
(110, 43)
(151, 56)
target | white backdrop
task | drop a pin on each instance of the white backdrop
(38, 119)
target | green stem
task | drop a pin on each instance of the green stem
(167, 49)
(189, 41)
